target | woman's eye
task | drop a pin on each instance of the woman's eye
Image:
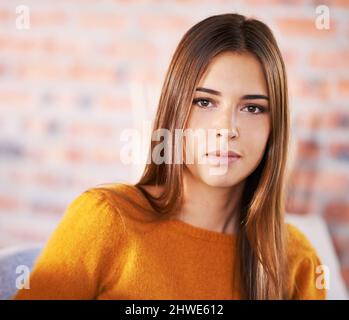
(252, 108)
(206, 103)
(203, 103)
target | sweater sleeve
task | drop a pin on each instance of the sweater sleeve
(309, 281)
(308, 275)
(78, 255)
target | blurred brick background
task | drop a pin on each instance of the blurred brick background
(86, 70)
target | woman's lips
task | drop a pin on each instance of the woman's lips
(219, 153)
(214, 159)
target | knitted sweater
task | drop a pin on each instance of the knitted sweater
(107, 249)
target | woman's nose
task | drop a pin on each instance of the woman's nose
(227, 124)
(230, 133)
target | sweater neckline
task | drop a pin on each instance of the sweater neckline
(199, 232)
(187, 228)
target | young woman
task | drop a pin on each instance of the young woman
(186, 230)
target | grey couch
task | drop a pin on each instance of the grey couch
(10, 259)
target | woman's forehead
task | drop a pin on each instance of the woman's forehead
(236, 73)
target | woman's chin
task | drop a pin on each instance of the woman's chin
(218, 180)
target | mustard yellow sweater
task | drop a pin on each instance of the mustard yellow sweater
(104, 249)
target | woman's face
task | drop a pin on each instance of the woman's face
(238, 104)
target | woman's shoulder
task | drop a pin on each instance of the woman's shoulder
(121, 195)
(93, 207)
(113, 193)
(128, 201)
(116, 188)
(306, 271)
(298, 244)
(297, 238)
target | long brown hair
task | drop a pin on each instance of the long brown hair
(261, 234)
(261, 238)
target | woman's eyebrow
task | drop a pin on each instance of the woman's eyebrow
(254, 97)
(209, 91)
(245, 97)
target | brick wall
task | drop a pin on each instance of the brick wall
(86, 70)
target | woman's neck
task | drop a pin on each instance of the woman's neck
(209, 207)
